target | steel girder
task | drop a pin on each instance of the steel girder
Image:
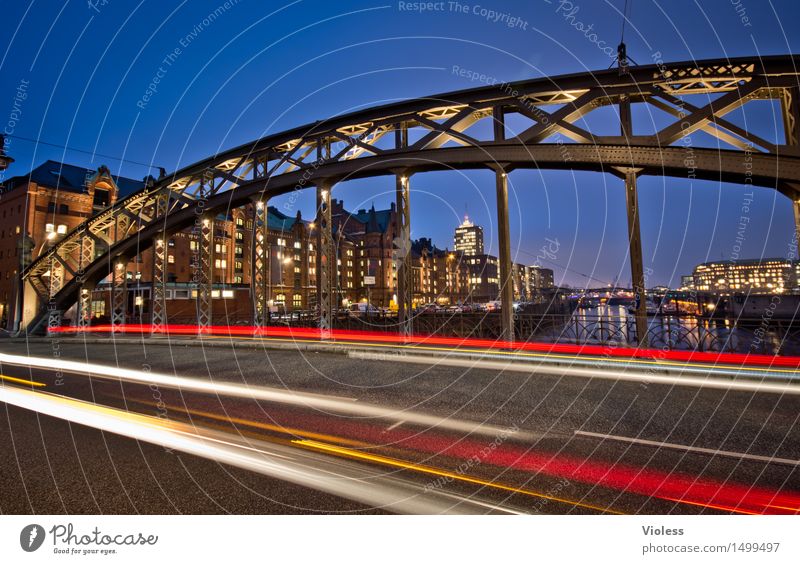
(356, 144)
(260, 265)
(402, 253)
(119, 295)
(326, 259)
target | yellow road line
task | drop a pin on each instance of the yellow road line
(259, 424)
(332, 449)
(21, 381)
(515, 354)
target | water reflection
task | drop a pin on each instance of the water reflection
(614, 324)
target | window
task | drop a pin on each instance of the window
(238, 280)
(239, 236)
(297, 301)
(239, 222)
(62, 229)
(63, 209)
(281, 242)
(227, 294)
(98, 308)
(171, 259)
(193, 245)
(239, 251)
(238, 265)
(51, 207)
(221, 263)
(100, 198)
(49, 228)
(280, 300)
(297, 245)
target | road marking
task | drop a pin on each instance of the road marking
(547, 356)
(21, 381)
(395, 426)
(711, 451)
(593, 373)
(263, 393)
(360, 455)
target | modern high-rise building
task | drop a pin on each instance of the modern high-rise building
(469, 238)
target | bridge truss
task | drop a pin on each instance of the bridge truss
(469, 129)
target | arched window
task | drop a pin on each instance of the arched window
(280, 300)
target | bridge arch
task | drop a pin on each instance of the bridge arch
(442, 133)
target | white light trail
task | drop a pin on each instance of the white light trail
(332, 475)
(261, 393)
(612, 373)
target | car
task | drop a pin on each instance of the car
(362, 308)
(428, 308)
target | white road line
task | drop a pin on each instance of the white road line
(277, 395)
(394, 426)
(614, 373)
(711, 451)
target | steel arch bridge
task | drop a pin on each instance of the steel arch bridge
(467, 129)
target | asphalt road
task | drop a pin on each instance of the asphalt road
(52, 467)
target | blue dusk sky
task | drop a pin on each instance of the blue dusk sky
(261, 67)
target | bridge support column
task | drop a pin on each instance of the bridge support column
(85, 293)
(204, 275)
(260, 264)
(119, 295)
(158, 304)
(635, 254)
(405, 285)
(796, 243)
(56, 283)
(326, 259)
(84, 308)
(504, 241)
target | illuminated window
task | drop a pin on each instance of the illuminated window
(297, 300)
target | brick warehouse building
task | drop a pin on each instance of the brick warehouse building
(40, 207)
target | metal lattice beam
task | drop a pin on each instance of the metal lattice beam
(326, 258)
(260, 262)
(402, 253)
(450, 134)
(84, 308)
(119, 295)
(56, 283)
(204, 274)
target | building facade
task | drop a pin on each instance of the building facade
(768, 276)
(39, 208)
(468, 238)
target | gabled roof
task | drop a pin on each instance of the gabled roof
(71, 178)
(379, 218)
(280, 221)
